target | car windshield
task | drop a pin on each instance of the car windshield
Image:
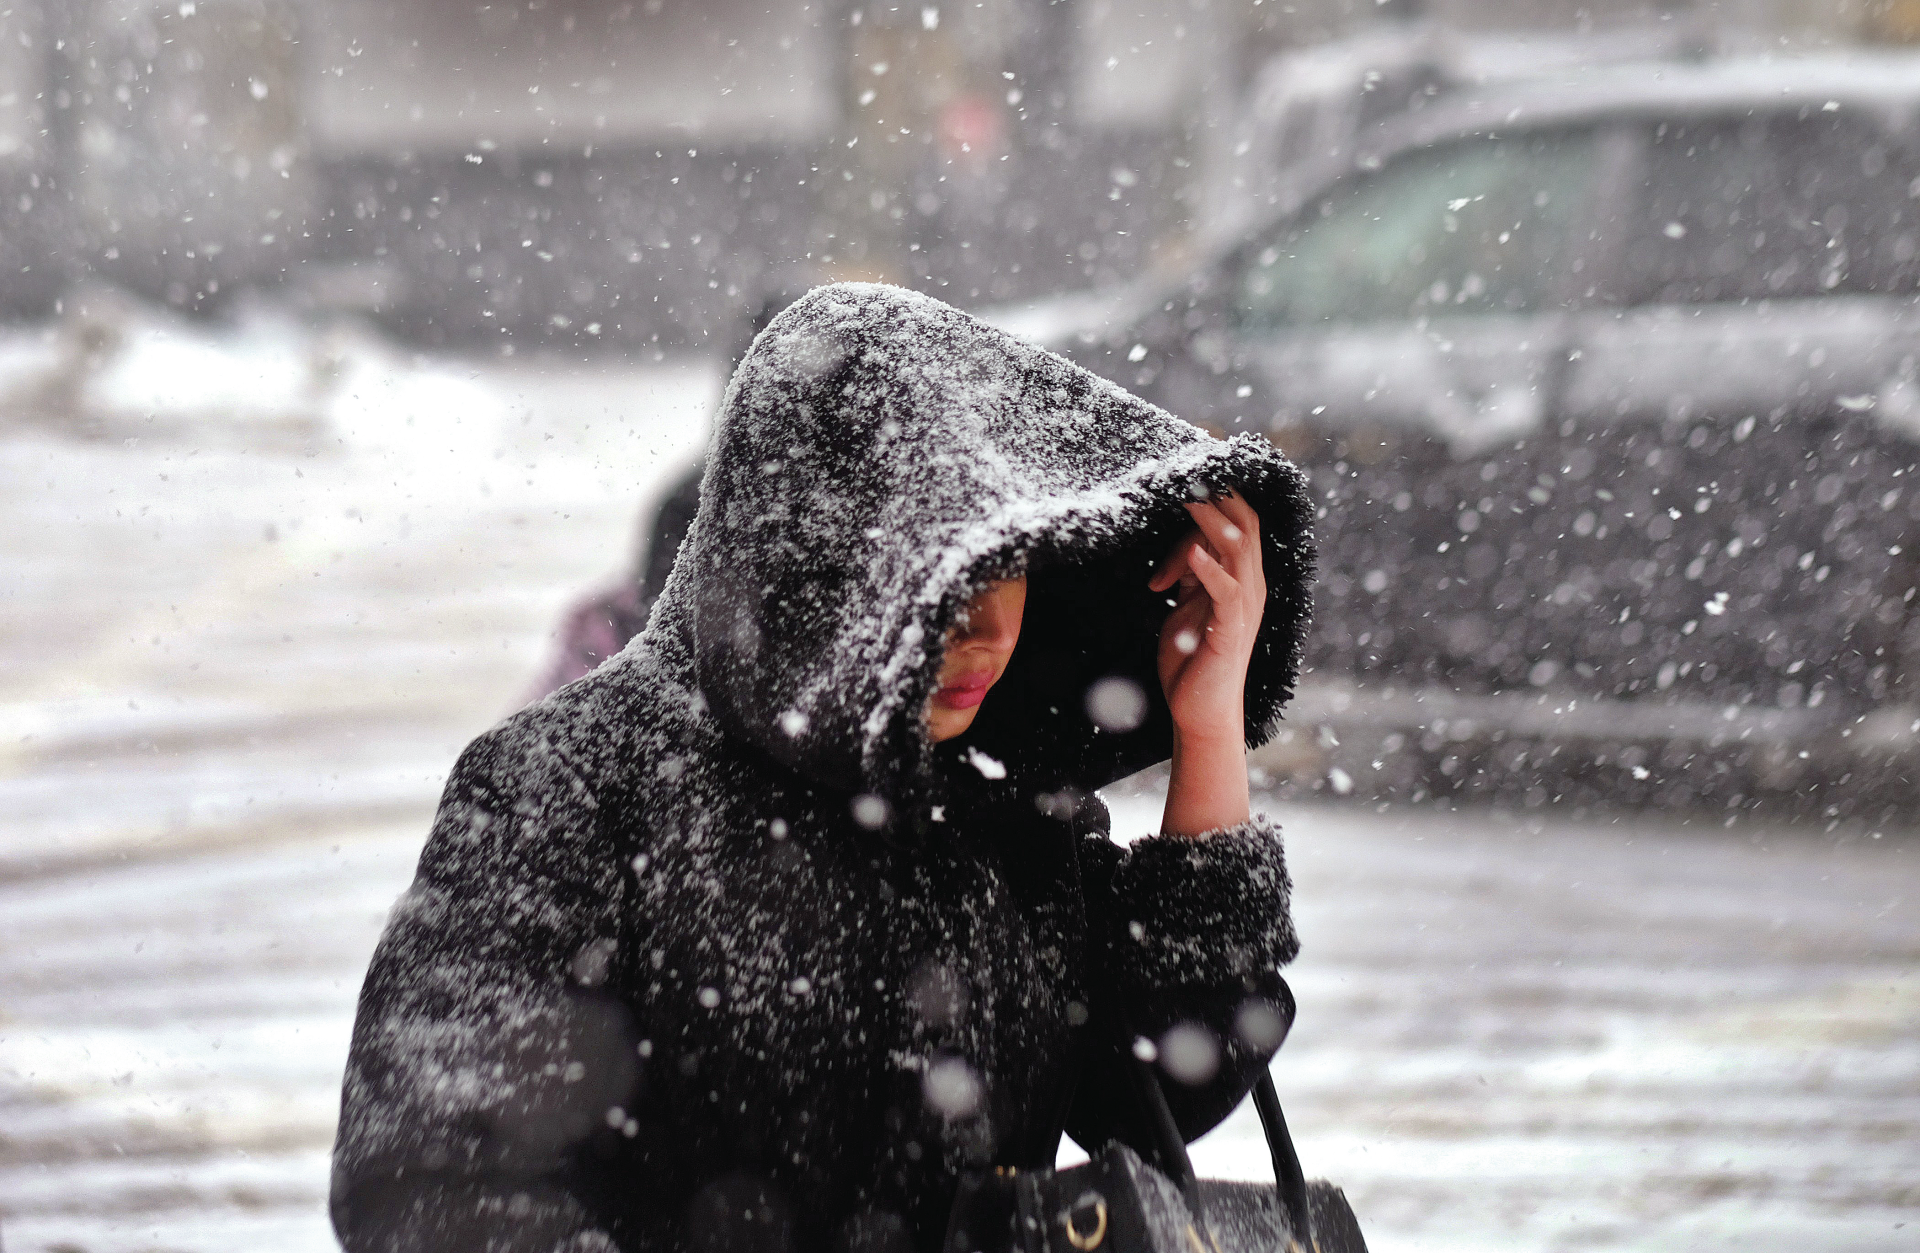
(1775, 208)
(1481, 225)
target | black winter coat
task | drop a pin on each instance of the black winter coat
(711, 950)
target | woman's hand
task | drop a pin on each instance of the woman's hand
(1220, 594)
(1207, 640)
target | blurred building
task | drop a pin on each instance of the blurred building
(640, 170)
(644, 170)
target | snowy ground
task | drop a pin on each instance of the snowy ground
(236, 663)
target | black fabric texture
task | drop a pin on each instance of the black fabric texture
(711, 950)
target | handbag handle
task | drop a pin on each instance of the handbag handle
(1290, 1181)
(1288, 1178)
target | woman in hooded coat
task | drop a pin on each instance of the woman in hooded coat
(730, 945)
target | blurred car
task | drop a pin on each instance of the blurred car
(1320, 100)
(1609, 379)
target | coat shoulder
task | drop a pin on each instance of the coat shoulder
(517, 801)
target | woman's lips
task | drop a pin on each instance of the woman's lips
(966, 691)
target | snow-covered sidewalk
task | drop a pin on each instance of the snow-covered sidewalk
(232, 681)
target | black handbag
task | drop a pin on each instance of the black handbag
(1118, 1203)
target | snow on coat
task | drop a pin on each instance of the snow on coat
(713, 950)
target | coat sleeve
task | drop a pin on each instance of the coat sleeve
(485, 1060)
(1187, 937)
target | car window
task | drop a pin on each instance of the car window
(1476, 226)
(1775, 207)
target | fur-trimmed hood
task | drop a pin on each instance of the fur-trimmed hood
(881, 456)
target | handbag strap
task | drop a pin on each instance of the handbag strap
(1290, 1181)
(1173, 1155)
(1287, 1175)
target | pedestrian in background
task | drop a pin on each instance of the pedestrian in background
(599, 625)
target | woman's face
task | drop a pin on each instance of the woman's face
(977, 649)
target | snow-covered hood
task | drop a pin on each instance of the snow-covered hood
(880, 457)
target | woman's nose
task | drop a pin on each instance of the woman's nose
(991, 626)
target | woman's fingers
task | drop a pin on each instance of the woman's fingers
(1206, 640)
(1226, 524)
(1220, 531)
(1188, 619)
(1218, 567)
(1241, 515)
(1239, 512)
(1221, 586)
(1228, 542)
(1177, 565)
(1245, 560)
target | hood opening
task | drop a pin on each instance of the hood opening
(1090, 619)
(1080, 704)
